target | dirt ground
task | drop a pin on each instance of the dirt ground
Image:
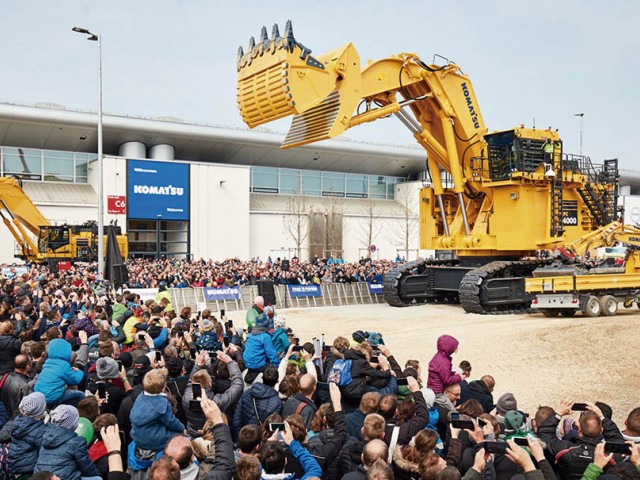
(540, 360)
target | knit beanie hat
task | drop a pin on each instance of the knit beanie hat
(513, 422)
(106, 367)
(262, 320)
(278, 322)
(33, 405)
(429, 396)
(506, 403)
(65, 416)
(206, 325)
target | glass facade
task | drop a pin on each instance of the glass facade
(158, 238)
(45, 165)
(288, 181)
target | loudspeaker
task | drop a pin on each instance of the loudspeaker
(285, 265)
(266, 291)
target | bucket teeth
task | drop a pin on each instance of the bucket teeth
(252, 47)
(263, 44)
(240, 61)
(276, 39)
(290, 41)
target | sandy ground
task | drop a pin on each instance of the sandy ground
(541, 360)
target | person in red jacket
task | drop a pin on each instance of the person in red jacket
(440, 366)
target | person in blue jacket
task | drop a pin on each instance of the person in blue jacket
(279, 337)
(64, 453)
(259, 351)
(57, 373)
(26, 436)
(152, 420)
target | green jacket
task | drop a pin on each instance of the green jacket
(593, 472)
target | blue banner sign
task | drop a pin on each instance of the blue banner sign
(157, 190)
(304, 291)
(375, 288)
(225, 293)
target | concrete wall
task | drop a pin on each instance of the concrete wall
(220, 224)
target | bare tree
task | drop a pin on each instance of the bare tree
(333, 216)
(369, 226)
(407, 234)
(296, 220)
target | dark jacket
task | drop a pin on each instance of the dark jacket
(293, 405)
(359, 473)
(26, 440)
(350, 457)
(153, 422)
(572, 459)
(411, 427)
(324, 447)
(9, 348)
(255, 405)
(15, 387)
(361, 373)
(124, 421)
(223, 462)
(479, 391)
(195, 416)
(65, 454)
(355, 422)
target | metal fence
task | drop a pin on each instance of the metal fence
(336, 294)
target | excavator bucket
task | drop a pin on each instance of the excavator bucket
(278, 77)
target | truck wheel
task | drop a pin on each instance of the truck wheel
(568, 312)
(550, 312)
(608, 305)
(591, 307)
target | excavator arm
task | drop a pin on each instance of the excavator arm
(607, 236)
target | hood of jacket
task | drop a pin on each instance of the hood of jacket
(404, 464)
(260, 391)
(276, 476)
(352, 354)
(480, 387)
(22, 426)
(59, 349)
(444, 402)
(629, 438)
(150, 408)
(447, 344)
(55, 436)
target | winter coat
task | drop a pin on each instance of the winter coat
(221, 459)
(9, 348)
(403, 469)
(361, 372)
(153, 422)
(293, 406)
(259, 350)
(280, 341)
(409, 428)
(359, 473)
(440, 375)
(124, 420)
(65, 454)
(26, 440)
(15, 387)
(350, 457)
(57, 372)
(251, 315)
(195, 416)
(355, 422)
(479, 391)
(308, 463)
(255, 405)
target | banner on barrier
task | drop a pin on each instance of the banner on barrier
(304, 291)
(11, 272)
(225, 293)
(375, 288)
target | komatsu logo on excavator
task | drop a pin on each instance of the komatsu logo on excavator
(154, 190)
(472, 110)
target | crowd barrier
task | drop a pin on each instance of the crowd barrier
(287, 296)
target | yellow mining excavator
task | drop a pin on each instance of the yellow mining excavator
(41, 242)
(592, 287)
(495, 198)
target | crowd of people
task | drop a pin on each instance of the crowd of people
(176, 273)
(95, 384)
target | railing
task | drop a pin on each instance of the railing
(335, 294)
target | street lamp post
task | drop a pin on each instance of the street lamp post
(581, 115)
(97, 38)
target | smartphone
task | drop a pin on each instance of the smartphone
(495, 447)
(457, 422)
(275, 426)
(223, 312)
(197, 391)
(374, 360)
(192, 352)
(402, 381)
(102, 390)
(481, 422)
(119, 362)
(579, 407)
(158, 355)
(143, 337)
(617, 447)
(225, 340)
(375, 348)
(322, 386)
(522, 441)
(296, 348)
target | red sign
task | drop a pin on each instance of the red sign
(117, 204)
(373, 248)
(64, 265)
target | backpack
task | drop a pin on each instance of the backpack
(340, 373)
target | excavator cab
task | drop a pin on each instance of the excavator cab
(53, 238)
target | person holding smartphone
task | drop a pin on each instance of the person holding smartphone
(108, 390)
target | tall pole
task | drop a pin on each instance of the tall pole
(100, 168)
(581, 115)
(98, 38)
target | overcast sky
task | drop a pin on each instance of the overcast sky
(545, 60)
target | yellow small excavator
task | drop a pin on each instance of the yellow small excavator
(52, 242)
